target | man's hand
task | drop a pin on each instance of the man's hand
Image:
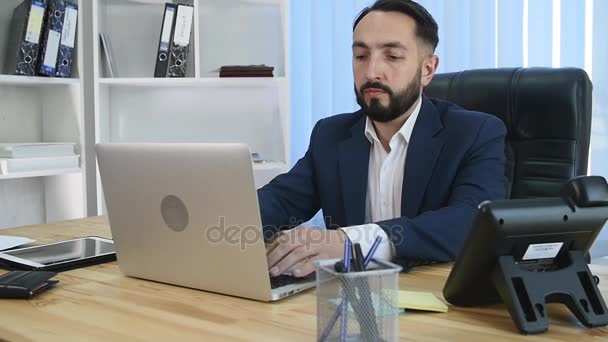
(304, 244)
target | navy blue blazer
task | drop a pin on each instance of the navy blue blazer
(455, 160)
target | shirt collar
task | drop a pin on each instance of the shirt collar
(405, 131)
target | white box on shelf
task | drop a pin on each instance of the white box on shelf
(15, 165)
(36, 150)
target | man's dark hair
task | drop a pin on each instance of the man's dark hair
(426, 26)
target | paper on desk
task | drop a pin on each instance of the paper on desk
(7, 242)
(421, 301)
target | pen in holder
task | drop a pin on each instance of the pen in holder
(371, 312)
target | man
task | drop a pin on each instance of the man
(407, 168)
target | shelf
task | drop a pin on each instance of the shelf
(215, 82)
(265, 2)
(36, 81)
(43, 173)
(270, 166)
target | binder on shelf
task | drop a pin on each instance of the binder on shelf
(14, 165)
(180, 41)
(164, 43)
(51, 36)
(65, 58)
(24, 38)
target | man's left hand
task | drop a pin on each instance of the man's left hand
(304, 244)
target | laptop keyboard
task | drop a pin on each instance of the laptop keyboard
(286, 279)
(281, 280)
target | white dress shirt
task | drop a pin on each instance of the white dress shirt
(384, 186)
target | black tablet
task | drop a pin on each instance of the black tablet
(60, 256)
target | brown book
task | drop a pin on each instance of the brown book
(245, 72)
(245, 75)
(246, 68)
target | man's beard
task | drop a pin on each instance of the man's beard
(398, 104)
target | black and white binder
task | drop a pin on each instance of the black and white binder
(51, 36)
(24, 38)
(164, 43)
(180, 41)
(68, 37)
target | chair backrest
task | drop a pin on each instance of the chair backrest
(547, 113)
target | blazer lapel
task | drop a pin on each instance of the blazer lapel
(423, 149)
(354, 160)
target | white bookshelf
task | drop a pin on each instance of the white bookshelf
(231, 82)
(16, 80)
(43, 173)
(38, 109)
(133, 106)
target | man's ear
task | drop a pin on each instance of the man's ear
(430, 64)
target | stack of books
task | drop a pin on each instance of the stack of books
(31, 157)
(246, 71)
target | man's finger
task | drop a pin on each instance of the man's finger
(284, 244)
(305, 269)
(279, 253)
(272, 243)
(298, 254)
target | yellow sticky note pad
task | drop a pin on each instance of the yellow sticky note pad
(421, 301)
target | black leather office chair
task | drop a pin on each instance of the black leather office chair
(547, 113)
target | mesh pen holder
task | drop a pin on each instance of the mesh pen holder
(358, 306)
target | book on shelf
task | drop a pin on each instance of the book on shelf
(36, 150)
(256, 159)
(14, 165)
(246, 71)
(108, 62)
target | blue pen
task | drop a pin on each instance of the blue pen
(344, 318)
(330, 325)
(372, 251)
(347, 254)
(343, 309)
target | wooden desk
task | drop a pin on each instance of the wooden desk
(99, 303)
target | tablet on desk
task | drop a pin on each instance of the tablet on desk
(61, 256)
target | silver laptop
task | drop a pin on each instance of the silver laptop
(188, 215)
